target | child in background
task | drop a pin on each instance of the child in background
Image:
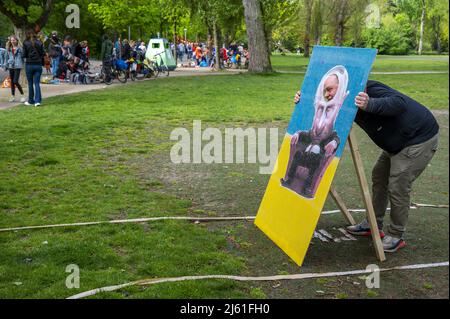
(47, 64)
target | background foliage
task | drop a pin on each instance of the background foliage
(395, 30)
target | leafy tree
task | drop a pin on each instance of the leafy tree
(7, 27)
(216, 15)
(91, 29)
(392, 38)
(141, 15)
(416, 12)
(277, 14)
(26, 14)
(438, 17)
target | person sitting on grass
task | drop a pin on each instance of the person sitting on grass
(408, 134)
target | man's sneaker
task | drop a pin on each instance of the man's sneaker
(392, 244)
(22, 100)
(37, 104)
(362, 229)
(12, 99)
(28, 103)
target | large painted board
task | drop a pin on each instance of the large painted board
(313, 146)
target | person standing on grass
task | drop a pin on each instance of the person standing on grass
(126, 50)
(189, 51)
(142, 47)
(106, 56)
(198, 55)
(14, 63)
(33, 53)
(181, 51)
(408, 134)
(55, 52)
(118, 47)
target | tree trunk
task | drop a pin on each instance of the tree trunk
(438, 37)
(21, 23)
(227, 40)
(436, 26)
(161, 30)
(422, 27)
(307, 39)
(317, 22)
(210, 43)
(216, 46)
(340, 23)
(257, 40)
(175, 55)
(20, 32)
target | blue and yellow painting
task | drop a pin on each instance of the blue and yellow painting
(313, 146)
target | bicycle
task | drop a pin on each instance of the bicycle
(141, 69)
(111, 71)
(160, 68)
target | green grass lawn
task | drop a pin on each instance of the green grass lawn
(105, 155)
(383, 63)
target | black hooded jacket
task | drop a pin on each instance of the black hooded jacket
(33, 52)
(395, 121)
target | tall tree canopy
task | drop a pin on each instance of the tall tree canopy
(399, 27)
(26, 14)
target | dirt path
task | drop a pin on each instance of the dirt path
(49, 90)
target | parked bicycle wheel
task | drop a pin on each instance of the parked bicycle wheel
(140, 75)
(133, 75)
(106, 77)
(164, 70)
(122, 76)
(105, 74)
(108, 80)
(145, 73)
(157, 71)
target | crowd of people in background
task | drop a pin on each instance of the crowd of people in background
(66, 59)
(59, 58)
(29, 55)
(127, 49)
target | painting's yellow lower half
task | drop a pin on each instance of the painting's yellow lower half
(286, 217)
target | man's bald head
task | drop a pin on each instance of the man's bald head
(330, 87)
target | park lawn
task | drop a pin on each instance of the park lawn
(383, 63)
(105, 155)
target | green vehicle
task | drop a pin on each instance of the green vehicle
(160, 49)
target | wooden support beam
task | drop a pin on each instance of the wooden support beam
(340, 203)
(366, 195)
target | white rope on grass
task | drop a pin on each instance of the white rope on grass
(429, 206)
(149, 282)
(185, 218)
(130, 221)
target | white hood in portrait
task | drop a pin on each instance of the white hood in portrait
(341, 73)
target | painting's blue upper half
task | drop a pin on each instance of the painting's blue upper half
(358, 63)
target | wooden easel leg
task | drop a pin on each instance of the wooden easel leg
(340, 203)
(366, 195)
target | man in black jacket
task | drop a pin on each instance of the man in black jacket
(55, 52)
(408, 134)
